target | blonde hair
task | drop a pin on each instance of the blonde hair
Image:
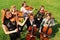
(3, 11)
(13, 6)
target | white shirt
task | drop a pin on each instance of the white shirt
(51, 21)
(31, 22)
(25, 11)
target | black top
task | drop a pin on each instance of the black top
(10, 25)
(40, 16)
(29, 24)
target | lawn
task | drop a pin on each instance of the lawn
(52, 6)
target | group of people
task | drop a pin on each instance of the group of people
(13, 22)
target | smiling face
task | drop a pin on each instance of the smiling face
(48, 16)
(31, 17)
(8, 14)
(42, 8)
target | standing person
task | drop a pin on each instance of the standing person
(40, 14)
(10, 26)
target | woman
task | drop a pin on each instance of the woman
(31, 20)
(21, 21)
(40, 14)
(10, 26)
(48, 20)
(46, 25)
(24, 9)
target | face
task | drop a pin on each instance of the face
(31, 17)
(13, 8)
(24, 4)
(8, 14)
(42, 8)
(48, 17)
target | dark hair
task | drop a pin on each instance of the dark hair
(23, 3)
(49, 13)
(31, 14)
(6, 10)
(41, 7)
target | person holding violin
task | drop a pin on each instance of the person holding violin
(40, 14)
(26, 9)
(23, 7)
(10, 26)
(21, 21)
(46, 26)
(32, 28)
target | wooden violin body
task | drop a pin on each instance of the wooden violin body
(29, 8)
(20, 16)
(31, 35)
(47, 30)
(30, 29)
(42, 37)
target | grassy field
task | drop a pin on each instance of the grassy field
(50, 5)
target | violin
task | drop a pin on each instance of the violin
(31, 33)
(29, 8)
(42, 37)
(20, 16)
(47, 30)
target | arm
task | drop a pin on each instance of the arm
(30, 11)
(52, 23)
(21, 24)
(23, 10)
(41, 26)
(6, 30)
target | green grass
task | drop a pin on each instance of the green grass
(51, 5)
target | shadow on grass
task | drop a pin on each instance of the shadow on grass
(22, 38)
(55, 29)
